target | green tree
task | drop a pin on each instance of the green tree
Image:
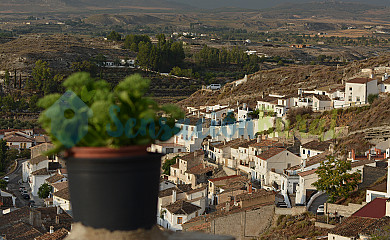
(44, 190)
(167, 165)
(7, 78)
(114, 36)
(335, 178)
(41, 75)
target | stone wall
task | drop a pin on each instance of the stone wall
(241, 225)
(290, 211)
(343, 210)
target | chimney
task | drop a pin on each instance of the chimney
(387, 208)
(51, 230)
(258, 138)
(227, 207)
(353, 154)
(224, 141)
(35, 218)
(173, 196)
(57, 219)
(242, 137)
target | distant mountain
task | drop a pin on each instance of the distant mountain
(262, 4)
(15, 6)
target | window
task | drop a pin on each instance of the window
(179, 220)
(350, 89)
(186, 128)
(357, 99)
(288, 165)
(350, 98)
(192, 128)
(303, 151)
(196, 214)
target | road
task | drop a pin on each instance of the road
(317, 202)
(13, 185)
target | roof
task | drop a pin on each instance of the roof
(63, 193)
(196, 190)
(244, 144)
(20, 231)
(382, 187)
(57, 235)
(352, 226)
(223, 178)
(38, 159)
(194, 121)
(306, 173)
(270, 153)
(182, 208)
(55, 178)
(266, 143)
(361, 80)
(374, 209)
(14, 216)
(60, 185)
(184, 187)
(316, 145)
(14, 138)
(192, 155)
(229, 143)
(42, 171)
(317, 159)
(41, 139)
(168, 191)
(200, 169)
(322, 97)
(378, 227)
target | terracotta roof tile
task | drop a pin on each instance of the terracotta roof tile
(352, 226)
(60, 185)
(57, 235)
(360, 80)
(38, 159)
(316, 145)
(270, 153)
(223, 178)
(192, 155)
(200, 169)
(20, 231)
(15, 138)
(306, 173)
(63, 193)
(42, 171)
(322, 97)
(378, 228)
(182, 207)
(55, 178)
(266, 143)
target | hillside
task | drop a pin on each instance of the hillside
(283, 80)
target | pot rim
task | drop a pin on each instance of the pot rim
(106, 152)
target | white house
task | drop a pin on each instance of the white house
(38, 178)
(314, 148)
(357, 90)
(19, 141)
(321, 103)
(271, 163)
(61, 198)
(306, 180)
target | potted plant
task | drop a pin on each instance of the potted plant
(104, 133)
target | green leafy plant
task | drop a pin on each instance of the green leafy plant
(44, 190)
(117, 117)
(336, 179)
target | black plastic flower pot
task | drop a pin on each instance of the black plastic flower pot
(115, 189)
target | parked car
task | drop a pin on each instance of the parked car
(6, 178)
(214, 86)
(320, 210)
